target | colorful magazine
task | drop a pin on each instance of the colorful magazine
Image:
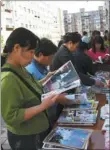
(65, 78)
(74, 117)
(70, 138)
(87, 90)
(104, 77)
(91, 104)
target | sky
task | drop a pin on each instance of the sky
(74, 6)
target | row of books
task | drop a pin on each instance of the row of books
(65, 137)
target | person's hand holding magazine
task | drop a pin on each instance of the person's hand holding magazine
(47, 77)
(57, 98)
(62, 99)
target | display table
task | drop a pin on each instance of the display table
(97, 141)
(97, 138)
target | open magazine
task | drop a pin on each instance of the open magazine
(64, 79)
(74, 117)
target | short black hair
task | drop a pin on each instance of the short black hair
(60, 43)
(75, 37)
(82, 46)
(99, 40)
(46, 47)
(23, 37)
(96, 33)
(106, 31)
(84, 33)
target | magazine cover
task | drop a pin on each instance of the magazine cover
(103, 76)
(86, 89)
(65, 78)
(68, 137)
(78, 117)
(91, 104)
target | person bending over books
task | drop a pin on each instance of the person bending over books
(82, 61)
(65, 53)
(98, 53)
(42, 58)
(26, 117)
(38, 67)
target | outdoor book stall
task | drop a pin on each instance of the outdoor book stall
(83, 125)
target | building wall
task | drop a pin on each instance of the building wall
(40, 17)
(85, 21)
(107, 14)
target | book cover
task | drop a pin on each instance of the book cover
(68, 137)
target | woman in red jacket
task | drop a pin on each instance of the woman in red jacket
(98, 50)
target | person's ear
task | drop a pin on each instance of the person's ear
(16, 48)
(40, 54)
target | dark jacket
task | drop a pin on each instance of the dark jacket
(62, 56)
(83, 62)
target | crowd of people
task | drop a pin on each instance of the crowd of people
(27, 62)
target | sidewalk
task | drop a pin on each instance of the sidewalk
(4, 141)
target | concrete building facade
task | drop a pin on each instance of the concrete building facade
(40, 17)
(85, 21)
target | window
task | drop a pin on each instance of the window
(8, 21)
(15, 14)
(25, 9)
(29, 10)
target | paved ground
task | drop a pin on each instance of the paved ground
(4, 141)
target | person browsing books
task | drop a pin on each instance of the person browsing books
(82, 60)
(26, 117)
(65, 53)
(98, 50)
(42, 58)
(38, 67)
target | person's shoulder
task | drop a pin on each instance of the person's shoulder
(31, 67)
(8, 79)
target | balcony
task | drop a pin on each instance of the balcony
(8, 10)
(9, 27)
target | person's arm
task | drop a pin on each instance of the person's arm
(46, 77)
(90, 69)
(32, 111)
(12, 108)
(63, 100)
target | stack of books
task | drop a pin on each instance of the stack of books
(90, 104)
(66, 138)
(78, 117)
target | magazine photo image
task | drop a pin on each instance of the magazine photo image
(65, 78)
(68, 137)
(78, 117)
(91, 104)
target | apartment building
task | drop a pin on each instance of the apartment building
(85, 20)
(107, 14)
(40, 17)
